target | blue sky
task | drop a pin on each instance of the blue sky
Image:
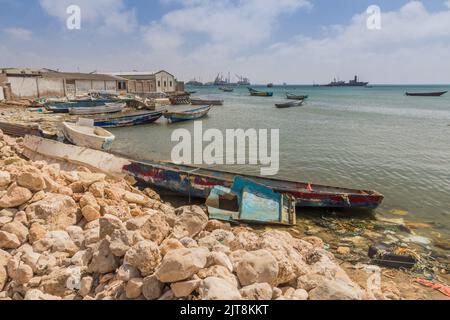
(295, 41)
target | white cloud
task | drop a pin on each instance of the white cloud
(19, 33)
(105, 15)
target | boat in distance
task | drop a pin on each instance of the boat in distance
(187, 115)
(426, 94)
(291, 96)
(198, 182)
(132, 119)
(106, 108)
(204, 102)
(86, 136)
(352, 83)
(289, 104)
(257, 93)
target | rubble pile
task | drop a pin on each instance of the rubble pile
(75, 235)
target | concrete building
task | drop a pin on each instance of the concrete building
(32, 83)
(150, 82)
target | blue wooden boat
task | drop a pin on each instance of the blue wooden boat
(247, 201)
(198, 182)
(257, 93)
(133, 119)
(187, 115)
(65, 107)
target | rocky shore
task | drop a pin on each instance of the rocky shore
(81, 235)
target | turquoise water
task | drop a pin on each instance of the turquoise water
(365, 138)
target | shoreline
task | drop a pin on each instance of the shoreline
(313, 227)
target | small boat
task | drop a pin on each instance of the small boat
(128, 120)
(270, 85)
(197, 182)
(106, 108)
(257, 93)
(192, 92)
(187, 115)
(289, 104)
(226, 89)
(202, 102)
(426, 94)
(180, 99)
(290, 96)
(21, 130)
(87, 136)
(64, 107)
(247, 201)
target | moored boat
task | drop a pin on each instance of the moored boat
(290, 96)
(257, 93)
(64, 107)
(198, 182)
(106, 108)
(87, 136)
(128, 120)
(195, 181)
(203, 102)
(187, 115)
(426, 94)
(289, 104)
(226, 89)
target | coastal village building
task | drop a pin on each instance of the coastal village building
(26, 83)
(39, 83)
(149, 82)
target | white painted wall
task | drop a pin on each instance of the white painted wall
(165, 82)
(23, 87)
(98, 85)
(51, 87)
(83, 86)
(111, 86)
(2, 96)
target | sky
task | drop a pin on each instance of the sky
(292, 41)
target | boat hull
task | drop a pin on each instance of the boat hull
(85, 140)
(295, 97)
(65, 107)
(426, 94)
(198, 183)
(127, 121)
(199, 102)
(174, 117)
(107, 108)
(289, 104)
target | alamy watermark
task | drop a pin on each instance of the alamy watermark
(212, 147)
(374, 19)
(73, 21)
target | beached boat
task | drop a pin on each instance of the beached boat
(289, 104)
(290, 96)
(426, 94)
(86, 136)
(197, 182)
(204, 102)
(21, 130)
(247, 201)
(257, 93)
(106, 108)
(65, 107)
(133, 119)
(180, 98)
(187, 115)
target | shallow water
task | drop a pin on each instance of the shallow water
(366, 138)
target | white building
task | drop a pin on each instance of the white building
(149, 82)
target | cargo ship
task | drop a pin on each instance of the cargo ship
(352, 83)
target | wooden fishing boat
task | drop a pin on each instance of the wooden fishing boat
(187, 115)
(64, 107)
(426, 94)
(202, 102)
(21, 130)
(257, 93)
(290, 96)
(90, 137)
(226, 89)
(270, 85)
(289, 104)
(106, 108)
(197, 182)
(133, 119)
